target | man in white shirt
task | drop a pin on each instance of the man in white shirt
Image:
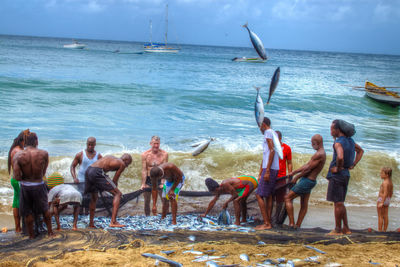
(268, 173)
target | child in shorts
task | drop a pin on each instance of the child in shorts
(385, 194)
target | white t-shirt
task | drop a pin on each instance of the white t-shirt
(268, 134)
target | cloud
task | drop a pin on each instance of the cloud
(386, 11)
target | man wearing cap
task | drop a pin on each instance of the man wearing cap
(239, 187)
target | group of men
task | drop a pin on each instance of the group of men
(272, 183)
(29, 166)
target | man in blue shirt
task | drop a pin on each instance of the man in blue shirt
(346, 155)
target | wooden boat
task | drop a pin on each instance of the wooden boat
(381, 94)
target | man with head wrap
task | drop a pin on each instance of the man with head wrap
(346, 155)
(239, 188)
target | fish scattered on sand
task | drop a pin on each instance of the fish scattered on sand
(224, 218)
(280, 260)
(313, 259)
(374, 263)
(195, 252)
(192, 238)
(258, 45)
(244, 257)
(261, 243)
(315, 249)
(207, 258)
(162, 259)
(333, 264)
(146, 225)
(274, 83)
(259, 108)
(167, 252)
(202, 147)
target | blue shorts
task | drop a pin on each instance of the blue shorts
(168, 185)
(304, 186)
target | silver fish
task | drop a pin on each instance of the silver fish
(193, 252)
(274, 83)
(167, 252)
(280, 260)
(313, 259)
(202, 147)
(315, 249)
(374, 263)
(244, 257)
(162, 259)
(192, 238)
(259, 108)
(261, 243)
(258, 45)
(224, 218)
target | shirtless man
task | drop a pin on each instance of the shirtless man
(150, 158)
(239, 187)
(29, 167)
(308, 174)
(85, 158)
(174, 181)
(97, 180)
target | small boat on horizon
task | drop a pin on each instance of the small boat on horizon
(249, 59)
(381, 94)
(75, 45)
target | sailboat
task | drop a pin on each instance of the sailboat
(160, 47)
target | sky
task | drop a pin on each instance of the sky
(363, 26)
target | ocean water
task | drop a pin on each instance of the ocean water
(125, 98)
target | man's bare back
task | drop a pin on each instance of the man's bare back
(30, 165)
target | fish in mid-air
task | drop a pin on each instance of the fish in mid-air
(258, 45)
(274, 83)
(259, 108)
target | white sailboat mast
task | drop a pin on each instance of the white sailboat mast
(151, 33)
(166, 26)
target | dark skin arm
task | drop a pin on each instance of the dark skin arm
(77, 160)
(307, 168)
(177, 181)
(231, 190)
(16, 168)
(339, 158)
(359, 154)
(211, 205)
(118, 173)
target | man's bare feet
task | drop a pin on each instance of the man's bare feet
(58, 229)
(263, 227)
(74, 228)
(346, 231)
(334, 232)
(18, 230)
(154, 210)
(237, 223)
(174, 222)
(92, 226)
(52, 235)
(116, 224)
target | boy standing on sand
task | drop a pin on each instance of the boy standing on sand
(308, 179)
(385, 194)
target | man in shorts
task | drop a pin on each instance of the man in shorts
(346, 155)
(150, 158)
(97, 180)
(239, 187)
(29, 167)
(174, 180)
(308, 179)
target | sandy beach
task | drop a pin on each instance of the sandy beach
(124, 248)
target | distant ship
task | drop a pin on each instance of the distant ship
(75, 45)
